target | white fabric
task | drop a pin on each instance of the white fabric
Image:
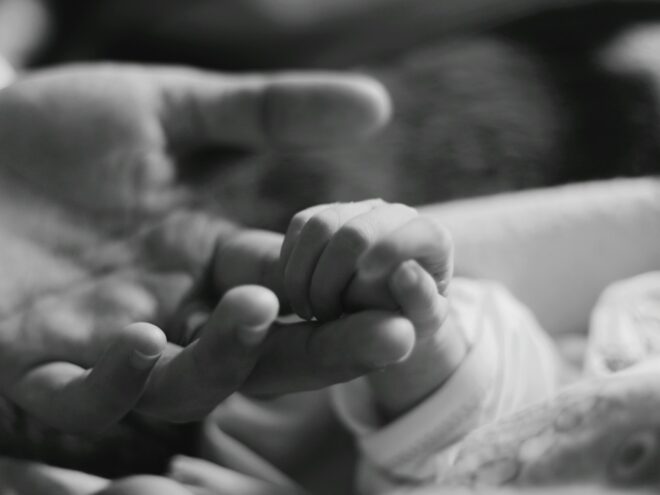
(556, 249)
(625, 325)
(504, 339)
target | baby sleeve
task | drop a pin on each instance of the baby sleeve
(511, 363)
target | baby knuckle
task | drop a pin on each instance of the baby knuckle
(404, 210)
(374, 202)
(299, 220)
(323, 224)
(353, 238)
(441, 234)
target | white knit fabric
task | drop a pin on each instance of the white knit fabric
(625, 325)
(505, 340)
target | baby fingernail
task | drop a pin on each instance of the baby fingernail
(142, 361)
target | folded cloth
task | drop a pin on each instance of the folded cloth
(511, 364)
(7, 73)
(625, 326)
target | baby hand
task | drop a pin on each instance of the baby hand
(338, 258)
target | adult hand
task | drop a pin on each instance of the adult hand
(22, 477)
(92, 242)
(115, 137)
(343, 257)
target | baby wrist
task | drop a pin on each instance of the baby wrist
(403, 386)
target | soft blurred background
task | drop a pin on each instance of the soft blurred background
(489, 95)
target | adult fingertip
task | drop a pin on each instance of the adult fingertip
(371, 101)
(393, 344)
(256, 308)
(325, 109)
(255, 304)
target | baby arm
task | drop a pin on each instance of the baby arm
(486, 360)
(346, 257)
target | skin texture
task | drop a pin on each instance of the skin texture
(83, 262)
(127, 244)
(345, 257)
